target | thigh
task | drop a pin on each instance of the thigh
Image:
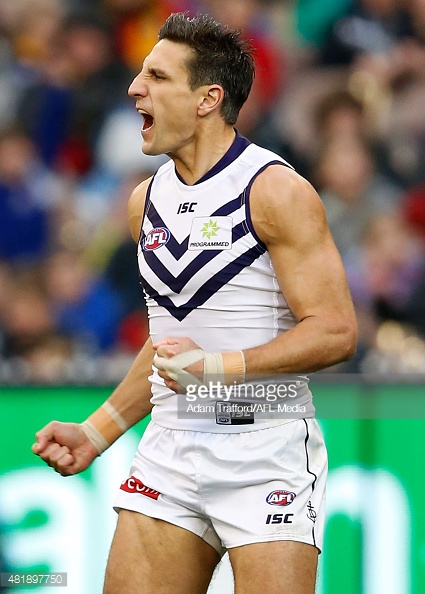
(150, 555)
(281, 567)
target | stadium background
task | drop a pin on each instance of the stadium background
(340, 93)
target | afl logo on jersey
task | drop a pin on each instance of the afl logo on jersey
(282, 498)
(156, 238)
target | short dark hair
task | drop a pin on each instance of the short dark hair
(221, 56)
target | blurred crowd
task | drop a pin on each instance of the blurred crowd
(339, 93)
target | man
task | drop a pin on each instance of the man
(242, 281)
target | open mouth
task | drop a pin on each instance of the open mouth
(148, 121)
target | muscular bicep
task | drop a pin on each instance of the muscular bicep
(289, 217)
(312, 278)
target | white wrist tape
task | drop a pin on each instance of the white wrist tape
(115, 416)
(218, 367)
(104, 426)
(174, 366)
(95, 436)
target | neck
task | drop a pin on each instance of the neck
(195, 159)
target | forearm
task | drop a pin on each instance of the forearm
(127, 405)
(131, 398)
(311, 345)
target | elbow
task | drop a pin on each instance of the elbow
(349, 336)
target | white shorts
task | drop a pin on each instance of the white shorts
(232, 489)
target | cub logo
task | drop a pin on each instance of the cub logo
(134, 485)
(281, 498)
(156, 238)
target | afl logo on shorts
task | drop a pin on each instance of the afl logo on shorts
(156, 238)
(281, 498)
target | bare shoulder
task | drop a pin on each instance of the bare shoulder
(285, 206)
(136, 206)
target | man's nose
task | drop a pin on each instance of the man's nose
(137, 88)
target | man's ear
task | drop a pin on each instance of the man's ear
(211, 98)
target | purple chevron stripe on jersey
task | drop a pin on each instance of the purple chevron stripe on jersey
(174, 247)
(176, 283)
(201, 296)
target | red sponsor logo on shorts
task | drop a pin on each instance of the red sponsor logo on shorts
(134, 485)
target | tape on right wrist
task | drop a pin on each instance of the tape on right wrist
(94, 436)
(104, 426)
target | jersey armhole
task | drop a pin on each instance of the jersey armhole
(247, 196)
(145, 208)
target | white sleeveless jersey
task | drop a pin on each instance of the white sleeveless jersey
(206, 275)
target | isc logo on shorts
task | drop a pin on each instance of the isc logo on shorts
(133, 485)
(280, 498)
(279, 519)
(156, 238)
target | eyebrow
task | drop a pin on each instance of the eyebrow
(154, 70)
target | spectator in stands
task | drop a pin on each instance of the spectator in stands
(29, 195)
(351, 189)
(369, 27)
(84, 306)
(25, 314)
(81, 81)
(386, 272)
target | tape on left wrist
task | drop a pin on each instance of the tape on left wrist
(227, 368)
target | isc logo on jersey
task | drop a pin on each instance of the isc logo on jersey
(156, 238)
(281, 498)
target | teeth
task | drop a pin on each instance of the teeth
(148, 120)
